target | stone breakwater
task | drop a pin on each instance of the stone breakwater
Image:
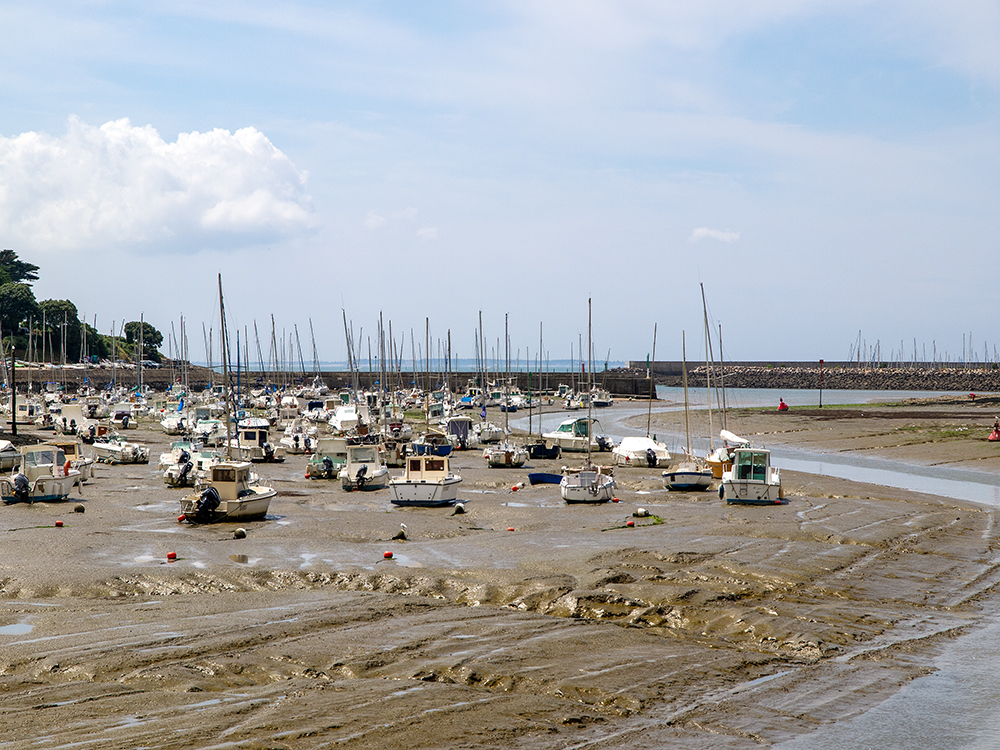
(881, 378)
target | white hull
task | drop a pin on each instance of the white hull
(587, 487)
(688, 480)
(378, 480)
(43, 489)
(425, 494)
(247, 508)
(750, 491)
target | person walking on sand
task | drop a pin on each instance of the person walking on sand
(782, 406)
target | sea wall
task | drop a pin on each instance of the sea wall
(854, 378)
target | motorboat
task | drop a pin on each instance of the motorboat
(230, 495)
(73, 450)
(640, 451)
(752, 480)
(587, 485)
(45, 475)
(426, 481)
(364, 469)
(299, 437)
(123, 417)
(194, 469)
(330, 457)
(253, 442)
(432, 444)
(574, 435)
(505, 455)
(542, 450)
(461, 432)
(115, 449)
(10, 456)
(487, 432)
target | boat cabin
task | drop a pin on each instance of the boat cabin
(426, 469)
(71, 448)
(41, 461)
(231, 480)
(750, 465)
(577, 427)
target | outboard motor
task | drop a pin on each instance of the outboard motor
(207, 504)
(361, 476)
(185, 470)
(295, 441)
(268, 451)
(602, 443)
(125, 421)
(72, 426)
(650, 458)
(327, 466)
(308, 444)
(184, 457)
(22, 489)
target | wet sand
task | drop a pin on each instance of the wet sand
(705, 626)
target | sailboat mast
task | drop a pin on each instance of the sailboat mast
(684, 369)
(708, 369)
(225, 369)
(590, 401)
(652, 380)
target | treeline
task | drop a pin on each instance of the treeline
(51, 330)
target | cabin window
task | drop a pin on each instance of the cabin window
(580, 429)
(744, 462)
(759, 466)
(365, 455)
(223, 475)
(435, 464)
(40, 458)
(415, 465)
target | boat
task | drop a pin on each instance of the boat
(426, 482)
(601, 398)
(587, 485)
(573, 435)
(432, 444)
(230, 495)
(330, 457)
(115, 449)
(543, 477)
(10, 456)
(505, 456)
(45, 475)
(123, 418)
(299, 437)
(691, 474)
(542, 450)
(460, 431)
(73, 450)
(640, 451)
(364, 469)
(752, 480)
(487, 432)
(253, 442)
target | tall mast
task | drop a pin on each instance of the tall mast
(590, 401)
(652, 381)
(708, 369)
(687, 421)
(225, 369)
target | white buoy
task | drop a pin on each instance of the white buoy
(459, 509)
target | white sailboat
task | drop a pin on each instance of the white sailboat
(691, 474)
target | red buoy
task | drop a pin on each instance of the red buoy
(171, 555)
(181, 518)
(630, 523)
(510, 528)
(387, 555)
(58, 523)
(514, 488)
(614, 499)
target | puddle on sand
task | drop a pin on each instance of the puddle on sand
(404, 560)
(17, 629)
(239, 558)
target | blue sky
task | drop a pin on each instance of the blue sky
(822, 167)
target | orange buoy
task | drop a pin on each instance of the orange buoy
(614, 500)
(387, 555)
(181, 518)
(58, 523)
(630, 523)
(171, 555)
(514, 488)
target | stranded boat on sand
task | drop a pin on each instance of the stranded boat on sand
(231, 495)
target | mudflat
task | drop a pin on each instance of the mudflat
(704, 625)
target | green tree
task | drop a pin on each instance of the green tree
(15, 269)
(151, 339)
(17, 304)
(59, 314)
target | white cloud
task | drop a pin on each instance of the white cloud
(406, 213)
(702, 233)
(374, 220)
(427, 233)
(121, 184)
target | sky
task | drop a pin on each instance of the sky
(829, 170)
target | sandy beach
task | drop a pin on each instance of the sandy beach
(705, 625)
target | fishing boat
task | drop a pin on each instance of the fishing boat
(575, 435)
(45, 475)
(752, 480)
(253, 442)
(330, 457)
(427, 481)
(432, 444)
(230, 495)
(640, 451)
(505, 456)
(73, 450)
(364, 469)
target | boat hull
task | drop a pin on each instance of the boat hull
(586, 487)
(249, 508)
(687, 481)
(423, 494)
